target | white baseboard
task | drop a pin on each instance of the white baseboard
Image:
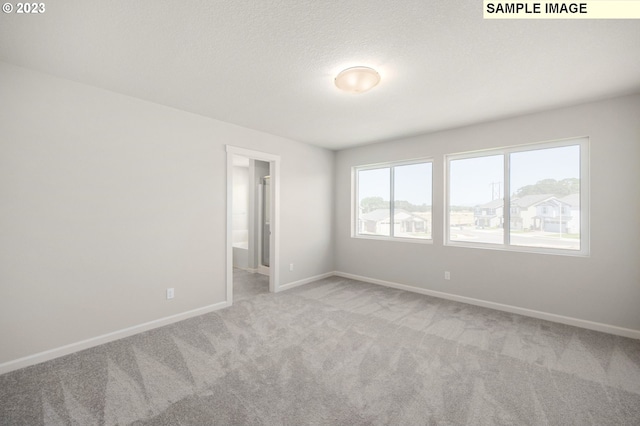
(304, 281)
(591, 325)
(105, 338)
(129, 331)
(250, 270)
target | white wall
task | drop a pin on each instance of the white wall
(603, 288)
(240, 208)
(107, 200)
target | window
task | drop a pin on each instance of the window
(393, 201)
(545, 187)
(476, 199)
(374, 204)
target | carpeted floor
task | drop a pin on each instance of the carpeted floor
(339, 352)
(248, 284)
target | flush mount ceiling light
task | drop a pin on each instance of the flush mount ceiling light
(357, 79)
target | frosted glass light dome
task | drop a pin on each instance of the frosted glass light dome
(357, 79)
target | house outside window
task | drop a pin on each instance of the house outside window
(545, 186)
(398, 193)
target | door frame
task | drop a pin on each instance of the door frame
(274, 244)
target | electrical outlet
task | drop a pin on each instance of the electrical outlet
(290, 267)
(170, 293)
(447, 275)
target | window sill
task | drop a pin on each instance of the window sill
(519, 249)
(394, 239)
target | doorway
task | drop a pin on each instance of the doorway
(252, 222)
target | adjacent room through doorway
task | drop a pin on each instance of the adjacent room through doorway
(251, 240)
(250, 226)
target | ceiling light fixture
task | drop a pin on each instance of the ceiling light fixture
(357, 79)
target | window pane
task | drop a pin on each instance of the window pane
(412, 201)
(476, 199)
(374, 191)
(545, 200)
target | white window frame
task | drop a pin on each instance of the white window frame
(355, 203)
(582, 142)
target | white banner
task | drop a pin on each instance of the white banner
(588, 9)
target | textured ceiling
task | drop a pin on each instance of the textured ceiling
(269, 64)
